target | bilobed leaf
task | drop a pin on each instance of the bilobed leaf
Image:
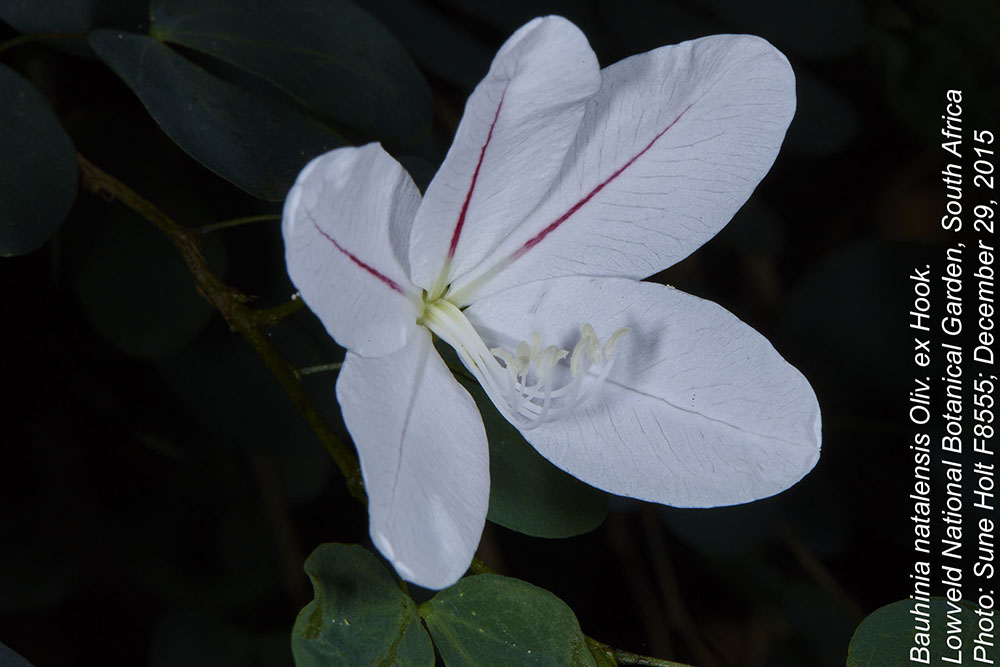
(38, 170)
(254, 142)
(886, 637)
(527, 493)
(490, 620)
(359, 615)
(331, 56)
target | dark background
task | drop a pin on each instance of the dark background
(158, 492)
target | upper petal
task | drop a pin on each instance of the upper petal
(424, 458)
(509, 147)
(669, 149)
(699, 409)
(346, 223)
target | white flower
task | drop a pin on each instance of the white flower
(565, 186)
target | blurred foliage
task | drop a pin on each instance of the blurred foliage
(160, 490)
(38, 171)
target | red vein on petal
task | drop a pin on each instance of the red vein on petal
(367, 267)
(472, 186)
(535, 240)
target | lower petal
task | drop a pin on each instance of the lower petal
(699, 409)
(424, 458)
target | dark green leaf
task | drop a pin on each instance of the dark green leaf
(527, 493)
(359, 616)
(38, 169)
(331, 57)
(75, 18)
(886, 637)
(256, 143)
(439, 42)
(137, 292)
(10, 659)
(492, 620)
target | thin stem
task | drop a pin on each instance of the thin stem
(277, 313)
(231, 303)
(320, 368)
(237, 222)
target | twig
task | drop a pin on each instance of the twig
(618, 657)
(231, 303)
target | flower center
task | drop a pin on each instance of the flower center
(533, 383)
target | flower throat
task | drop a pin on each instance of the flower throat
(533, 383)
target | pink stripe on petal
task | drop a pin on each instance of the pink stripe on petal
(370, 269)
(472, 186)
(535, 240)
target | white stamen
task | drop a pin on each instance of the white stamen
(531, 385)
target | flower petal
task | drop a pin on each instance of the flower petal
(699, 409)
(670, 148)
(518, 125)
(424, 457)
(346, 225)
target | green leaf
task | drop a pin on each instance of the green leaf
(10, 659)
(331, 57)
(252, 141)
(71, 20)
(527, 493)
(137, 291)
(886, 637)
(438, 40)
(38, 170)
(359, 616)
(492, 620)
